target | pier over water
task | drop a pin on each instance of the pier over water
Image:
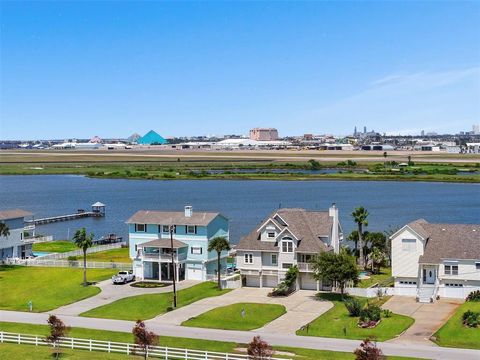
(98, 210)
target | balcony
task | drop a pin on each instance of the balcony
(305, 267)
(162, 257)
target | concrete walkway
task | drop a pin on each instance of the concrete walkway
(110, 293)
(428, 317)
(302, 307)
(309, 342)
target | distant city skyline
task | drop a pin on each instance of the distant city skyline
(79, 69)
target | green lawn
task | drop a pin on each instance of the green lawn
(454, 334)
(47, 288)
(119, 255)
(148, 306)
(382, 278)
(336, 323)
(55, 246)
(30, 352)
(230, 317)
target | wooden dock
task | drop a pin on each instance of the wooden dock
(68, 217)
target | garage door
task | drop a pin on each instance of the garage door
(270, 281)
(307, 282)
(453, 292)
(252, 281)
(194, 274)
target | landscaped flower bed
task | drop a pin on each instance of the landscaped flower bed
(148, 284)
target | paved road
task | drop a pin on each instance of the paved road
(111, 293)
(302, 308)
(428, 317)
(412, 350)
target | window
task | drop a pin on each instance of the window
(140, 227)
(191, 229)
(305, 258)
(166, 229)
(196, 250)
(408, 282)
(409, 245)
(271, 234)
(287, 246)
(451, 269)
(286, 265)
(453, 285)
(477, 265)
(274, 259)
(248, 258)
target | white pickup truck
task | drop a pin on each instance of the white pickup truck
(123, 277)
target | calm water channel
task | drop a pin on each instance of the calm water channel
(245, 203)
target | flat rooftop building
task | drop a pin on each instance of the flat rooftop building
(264, 134)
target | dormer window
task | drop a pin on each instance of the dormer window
(287, 245)
(271, 234)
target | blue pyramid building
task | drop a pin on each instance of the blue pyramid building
(151, 138)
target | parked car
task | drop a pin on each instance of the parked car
(123, 277)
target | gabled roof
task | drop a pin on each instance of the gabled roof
(13, 214)
(172, 218)
(164, 243)
(306, 226)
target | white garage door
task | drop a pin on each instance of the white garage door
(270, 281)
(453, 292)
(307, 282)
(194, 274)
(253, 281)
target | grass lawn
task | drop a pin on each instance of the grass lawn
(382, 278)
(337, 323)
(150, 305)
(119, 255)
(27, 352)
(47, 288)
(454, 334)
(55, 246)
(230, 317)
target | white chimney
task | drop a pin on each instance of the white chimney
(335, 236)
(188, 211)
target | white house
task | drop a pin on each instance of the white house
(430, 260)
(15, 244)
(288, 237)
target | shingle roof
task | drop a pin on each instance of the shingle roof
(449, 241)
(13, 214)
(164, 243)
(172, 218)
(305, 225)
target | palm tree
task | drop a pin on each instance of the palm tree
(83, 241)
(360, 217)
(385, 158)
(4, 230)
(218, 244)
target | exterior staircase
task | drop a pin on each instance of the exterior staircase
(426, 293)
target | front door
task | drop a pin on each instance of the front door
(428, 275)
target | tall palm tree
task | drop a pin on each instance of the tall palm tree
(360, 217)
(83, 241)
(218, 244)
(4, 230)
(385, 158)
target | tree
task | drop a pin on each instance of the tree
(388, 243)
(368, 351)
(385, 158)
(4, 230)
(410, 162)
(58, 330)
(219, 244)
(377, 258)
(83, 241)
(259, 349)
(360, 216)
(144, 338)
(337, 268)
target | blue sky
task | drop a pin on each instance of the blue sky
(78, 69)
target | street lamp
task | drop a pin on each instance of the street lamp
(172, 227)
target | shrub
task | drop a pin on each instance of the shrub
(387, 313)
(368, 351)
(471, 318)
(259, 349)
(353, 306)
(474, 296)
(370, 313)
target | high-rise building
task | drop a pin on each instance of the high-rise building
(422, 133)
(264, 134)
(364, 129)
(476, 129)
(355, 131)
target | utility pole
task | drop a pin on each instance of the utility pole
(173, 267)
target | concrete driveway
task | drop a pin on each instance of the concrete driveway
(302, 307)
(428, 317)
(110, 293)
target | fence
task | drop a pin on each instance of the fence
(91, 250)
(370, 292)
(70, 264)
(123, 348)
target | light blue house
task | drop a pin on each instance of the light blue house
(150, 244)
(16, 244)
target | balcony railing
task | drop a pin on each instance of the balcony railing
(305, 267)
(163, 257)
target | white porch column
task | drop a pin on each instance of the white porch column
(318, 285)
(261, 279)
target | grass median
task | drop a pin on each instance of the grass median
(59, 246)
(148, 306)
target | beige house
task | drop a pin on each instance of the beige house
(430, 260)
(288, 237)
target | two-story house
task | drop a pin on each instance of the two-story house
(430, 260)
(150, 244)
(288, 237)
(16, 244)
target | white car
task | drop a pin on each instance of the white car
(123, 277)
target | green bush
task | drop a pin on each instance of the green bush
(354, 307)
(371, 313)
(387, 313)
(474, 296)
(471, 318)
